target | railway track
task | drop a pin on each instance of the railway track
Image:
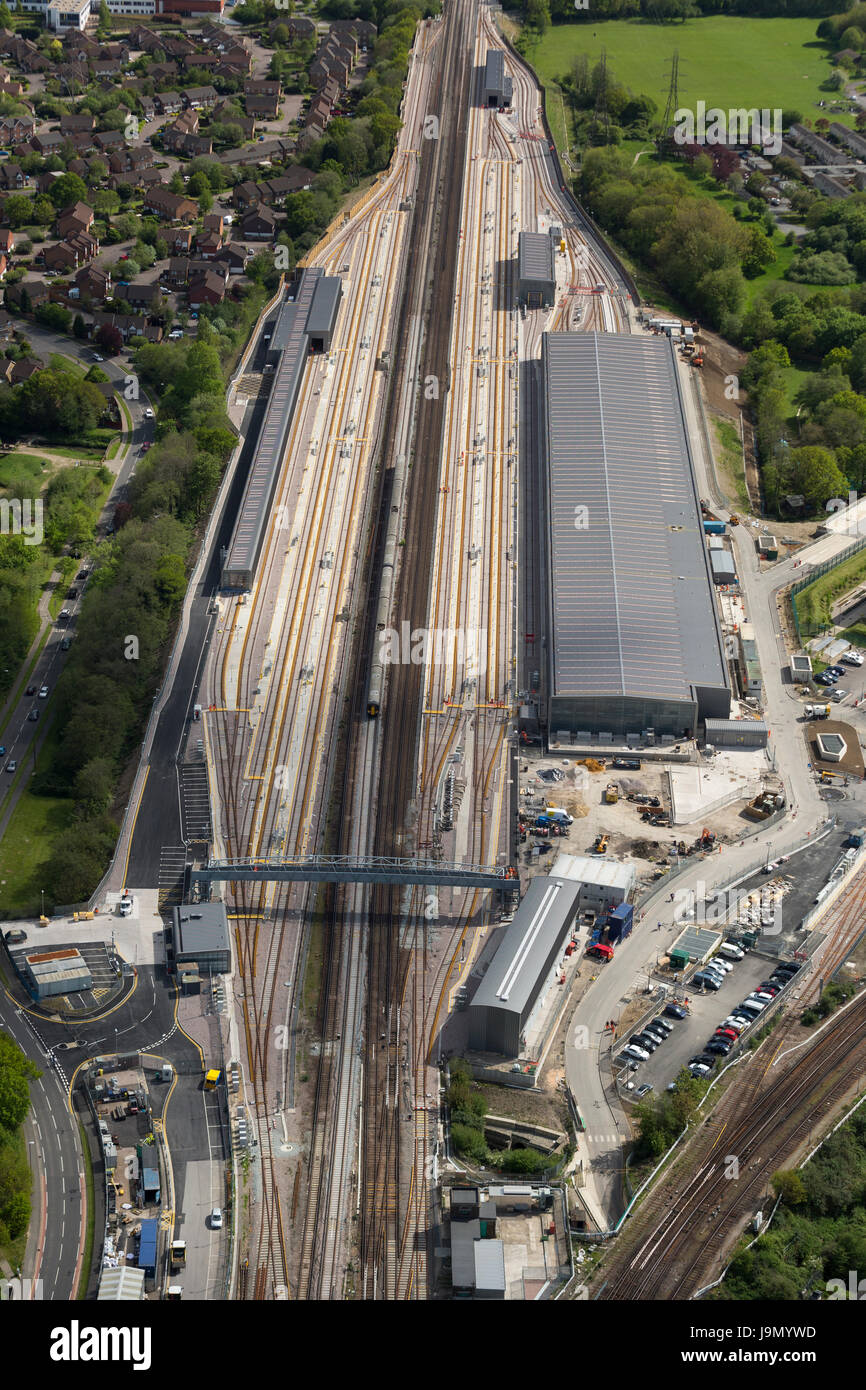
(680, 1235)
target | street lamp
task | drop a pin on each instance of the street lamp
(30, 1143)
(42, 891)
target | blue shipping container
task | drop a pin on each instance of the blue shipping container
(714, 528)
(620, 922)
(147, 1245)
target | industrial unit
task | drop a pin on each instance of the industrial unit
(635, 648)
(506, 997)
(306, 322)
(603, 883)
(536, 275)
(59, 971)
(498, 88)
(200, 936)
(737, 733)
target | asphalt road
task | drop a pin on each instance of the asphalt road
(158, 823)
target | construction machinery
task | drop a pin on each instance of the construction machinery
(601, 843)
(611, 794)
(178, 1254)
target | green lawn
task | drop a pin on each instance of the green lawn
(813, 603)
(793, 378)
(25, 849)
(729, 463)
(81, 451)
(24, 473)
(58, 363)
(724, 61)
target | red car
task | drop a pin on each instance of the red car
(728, 1033)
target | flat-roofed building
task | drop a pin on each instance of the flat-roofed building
(536, 275)
(635, 646)
(515, 979)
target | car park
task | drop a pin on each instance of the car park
(836, 671)
(838, 695)
(736, 1025)
(725, 1031)
(656, 1026)
(724, 965)
(772, 987)
(664, 1023)
(646, 1041)
(676, 1011)
(755, 1006)
(825, 678)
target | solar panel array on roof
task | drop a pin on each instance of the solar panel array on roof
(636, 644)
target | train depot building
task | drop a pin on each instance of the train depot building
(635, 651)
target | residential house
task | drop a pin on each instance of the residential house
(196, 62)
(177, 271)
(234, 257)
(107, 67)
(73, 123)
(194, 146)
(4, 264)
(11, 176)
(208, 289)
(264, 108)
(144, 294)
(319, 114)
(181, 241)
(109, 140)
(207, 244)
(78, 166)
(170, 207)
(15, 129)
(259, 225)
(173, 136)
(168, 103)
(160, 72)
(78, 217)
(69, 254)
(93, 283)
(246, 196)
(7, 241)
(48, 142)
(213, 222)
(201, 98)
(24, 369)
(299, 27)
(34, 293)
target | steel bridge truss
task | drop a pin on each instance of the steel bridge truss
(351, 868)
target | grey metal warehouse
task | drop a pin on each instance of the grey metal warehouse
(536, 276)
(498, 88)
(635, 648)
(503, 1002)
(304, 322)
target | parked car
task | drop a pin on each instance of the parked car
(717, 964)
(663, 1023)
(632, 1050)
(826, 679)
(676, 1011)
(644, 1090)
(852, 658)
(772, 987)
(720, 1046)
(724, 1030)
(648, 1044)
(838, 695)
(836, 671)
(736, 1025)
(707, 981)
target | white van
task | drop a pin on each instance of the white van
(752, 1006)
(732, 952)
(558, 813)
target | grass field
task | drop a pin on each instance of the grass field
(724, 61)
(729, 464)
(23, 473)
(27, 847)
(813, 603)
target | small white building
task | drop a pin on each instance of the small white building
(603, 881)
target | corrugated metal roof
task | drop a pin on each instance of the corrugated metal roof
(719, 726)
(494, 70)
(633, 610)
(245, 544)
(597, 870)
(326, 300)
(122, 1285)
(722, 562)
(535, 257)
(489, 1265)
(542, 918)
